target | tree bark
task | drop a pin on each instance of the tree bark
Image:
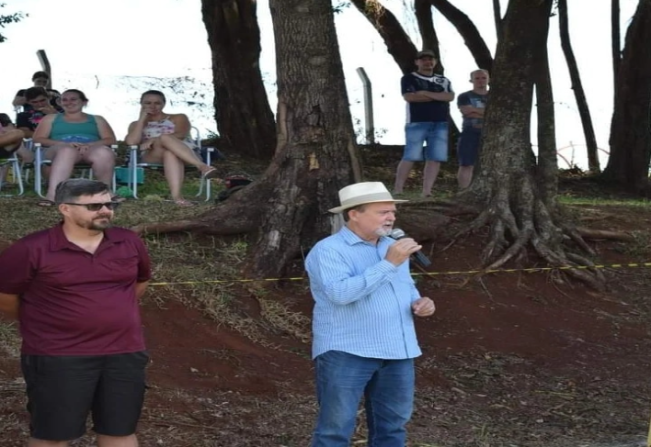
(615, 37)
(316, 155)
(547, 166)
(577, 86)
(497, 16)
(506, 184)
(630, 145)
(398, 43)
(423, 9)
(468, 31)
(244, 119)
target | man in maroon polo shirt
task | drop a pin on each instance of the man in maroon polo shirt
(74, 289)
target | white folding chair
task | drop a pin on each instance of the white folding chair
(40, 161)
(135, 163)
(13, 164)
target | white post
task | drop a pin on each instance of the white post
(368, 106)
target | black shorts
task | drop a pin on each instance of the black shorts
(62, 390)
(6, 152)
(468, 147)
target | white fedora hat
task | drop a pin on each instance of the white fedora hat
(360, 193)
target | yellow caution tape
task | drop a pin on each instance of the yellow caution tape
(456, 273)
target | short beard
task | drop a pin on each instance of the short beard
(382, 232)
(99, 226)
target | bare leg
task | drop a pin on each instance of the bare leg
(464, 176)
(25, 154)
(174, 173)
(117, 441)
(40, 443)
(183, 152)
(102, 159)
(64, 159)
(404, 168)
(430, 173)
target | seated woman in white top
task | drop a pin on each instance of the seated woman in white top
(165, 138)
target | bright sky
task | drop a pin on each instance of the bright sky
(91, 43)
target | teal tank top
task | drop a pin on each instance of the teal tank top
(85, 132)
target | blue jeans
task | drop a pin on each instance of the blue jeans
(436, 136)
(388, 389)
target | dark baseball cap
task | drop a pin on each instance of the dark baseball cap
(425, 53)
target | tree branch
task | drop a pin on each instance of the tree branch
(398, 43)
(468, 31)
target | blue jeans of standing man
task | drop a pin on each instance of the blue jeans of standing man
(388, 389)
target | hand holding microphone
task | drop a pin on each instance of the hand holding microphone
(405, 247)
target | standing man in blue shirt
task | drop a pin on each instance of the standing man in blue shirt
(428, 97)
(363, 325)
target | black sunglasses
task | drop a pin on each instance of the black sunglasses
(97, 206)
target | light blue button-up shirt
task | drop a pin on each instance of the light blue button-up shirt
(362, 301)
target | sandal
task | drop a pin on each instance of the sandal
(184, 203)
(210, 173)
(45, 203)
(118, 199)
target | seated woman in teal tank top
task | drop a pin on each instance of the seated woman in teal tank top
(73, 137)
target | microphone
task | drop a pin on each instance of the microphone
(419, 257)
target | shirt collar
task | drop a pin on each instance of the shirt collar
(351, 238)
(59, 241)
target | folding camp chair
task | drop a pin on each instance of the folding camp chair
(40, 161)
(13, 164)
(135, 163)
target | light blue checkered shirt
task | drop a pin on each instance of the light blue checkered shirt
(362, 302)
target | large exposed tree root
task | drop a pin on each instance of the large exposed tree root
(236, 216)
(519, 219)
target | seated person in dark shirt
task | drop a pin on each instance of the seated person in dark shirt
(40, 79)
(37, 99)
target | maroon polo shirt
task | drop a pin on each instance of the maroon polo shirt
(73, 302)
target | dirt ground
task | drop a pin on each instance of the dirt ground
(509, 360)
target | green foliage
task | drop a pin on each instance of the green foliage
(339, 6)
(10, 18)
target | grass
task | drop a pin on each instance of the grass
(231, 418)
(567, 199)
(9, 339)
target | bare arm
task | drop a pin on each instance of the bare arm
(18, 101)
(9, 305)
(141, 287)
(107, 136)
(424, 96)
(472, 112)
(181, 126)
(42, 132)
(134, 134)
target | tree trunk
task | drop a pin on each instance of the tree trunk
(423, 9)
(316, 154)
(547, 166)
(468, 31)
(497, 16)
(244, 119)
(577, 86)
(615, 37)
(506, 186)
(630, 145)
(398, 43)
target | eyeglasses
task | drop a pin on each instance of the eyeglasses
(97, 206)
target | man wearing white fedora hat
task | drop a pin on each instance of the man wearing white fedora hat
(363, 324)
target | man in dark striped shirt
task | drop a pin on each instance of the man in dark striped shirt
(364, 336)
(427, 96)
